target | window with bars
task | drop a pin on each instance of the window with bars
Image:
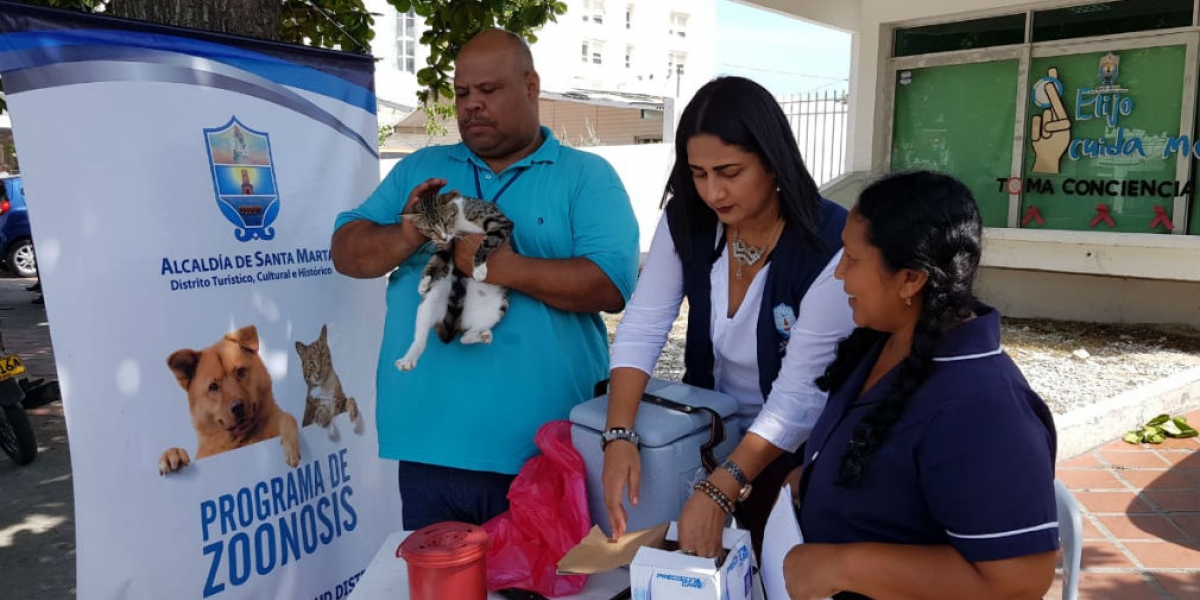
(406, 42)
(592, 51)
(629, 17)
(628, 56)
(675, 63)
(593, 10)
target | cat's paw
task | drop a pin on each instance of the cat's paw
(323, 415)
(477, 337)
(333, 433)
(480, 273)
(406, 364)
(356, 419)
(423, 287)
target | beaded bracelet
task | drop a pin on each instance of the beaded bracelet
(715, 493)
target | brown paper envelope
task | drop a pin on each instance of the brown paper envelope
(595, 554)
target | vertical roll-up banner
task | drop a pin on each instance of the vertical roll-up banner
(218, 375)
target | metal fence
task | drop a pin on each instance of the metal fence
(819, 122)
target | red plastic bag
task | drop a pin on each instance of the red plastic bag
(547, 516)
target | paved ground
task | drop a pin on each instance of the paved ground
(1141, 504)
(37, 521)
(1141, 526)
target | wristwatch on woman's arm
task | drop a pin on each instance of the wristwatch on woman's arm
(619, 433)
(744, 487)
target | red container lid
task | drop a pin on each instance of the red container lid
(448, 544)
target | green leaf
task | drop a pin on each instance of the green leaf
(1159, 420)
(1171, 429)
(533, 14)
(425, 76)
(1185, 430)
(1133, 437)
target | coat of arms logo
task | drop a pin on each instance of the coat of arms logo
(244, 179)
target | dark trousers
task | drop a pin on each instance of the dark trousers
(432, 494)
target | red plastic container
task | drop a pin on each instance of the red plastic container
(446, 560)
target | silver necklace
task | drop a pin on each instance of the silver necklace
(747, 255)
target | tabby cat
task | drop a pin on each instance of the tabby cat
(325, 396)
(452, 303)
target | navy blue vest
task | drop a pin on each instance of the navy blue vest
(794, 266)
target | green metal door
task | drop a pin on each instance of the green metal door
(959, 119)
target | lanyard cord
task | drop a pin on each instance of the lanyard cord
(503, 188)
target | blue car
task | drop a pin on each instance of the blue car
(16, 245)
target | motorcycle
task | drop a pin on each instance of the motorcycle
(16, 432)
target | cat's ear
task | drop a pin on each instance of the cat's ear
(324, 331)
(300, 348)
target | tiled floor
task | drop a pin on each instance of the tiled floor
(1141, 524)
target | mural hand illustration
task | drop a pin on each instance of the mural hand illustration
(1050, 130)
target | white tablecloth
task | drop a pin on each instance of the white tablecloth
(387, 578)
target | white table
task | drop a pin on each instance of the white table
(386, 578)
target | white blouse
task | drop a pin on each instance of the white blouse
(787, 418)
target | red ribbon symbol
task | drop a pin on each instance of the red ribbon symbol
(1103, 215)
(1161, 218)
(1033, 214)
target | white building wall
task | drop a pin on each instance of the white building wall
(643, 170)
(391, 83)
(559, 57)
(558, 51)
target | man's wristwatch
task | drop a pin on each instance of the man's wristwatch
(619, 433)
(744, 487)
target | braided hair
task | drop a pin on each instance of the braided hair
(928, 222)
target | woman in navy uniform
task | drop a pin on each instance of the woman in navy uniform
(930, 473)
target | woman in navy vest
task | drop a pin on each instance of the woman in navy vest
(931, 472)
(749, 242)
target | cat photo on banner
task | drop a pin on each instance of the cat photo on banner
(325, 399)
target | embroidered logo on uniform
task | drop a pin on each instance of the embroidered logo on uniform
(785, 317)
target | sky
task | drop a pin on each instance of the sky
(784, 54)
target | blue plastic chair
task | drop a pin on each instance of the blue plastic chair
(1070, 536)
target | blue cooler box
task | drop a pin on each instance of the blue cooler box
(671, 442)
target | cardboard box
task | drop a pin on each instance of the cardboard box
(657, 574)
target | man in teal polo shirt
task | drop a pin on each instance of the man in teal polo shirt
(463, 422)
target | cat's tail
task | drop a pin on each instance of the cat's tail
(451, 324)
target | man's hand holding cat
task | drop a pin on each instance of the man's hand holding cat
(409, 231)
(464, 258)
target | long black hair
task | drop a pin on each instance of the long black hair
(927, 222)
(744, 114)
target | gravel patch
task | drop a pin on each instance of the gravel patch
(1070, 364)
